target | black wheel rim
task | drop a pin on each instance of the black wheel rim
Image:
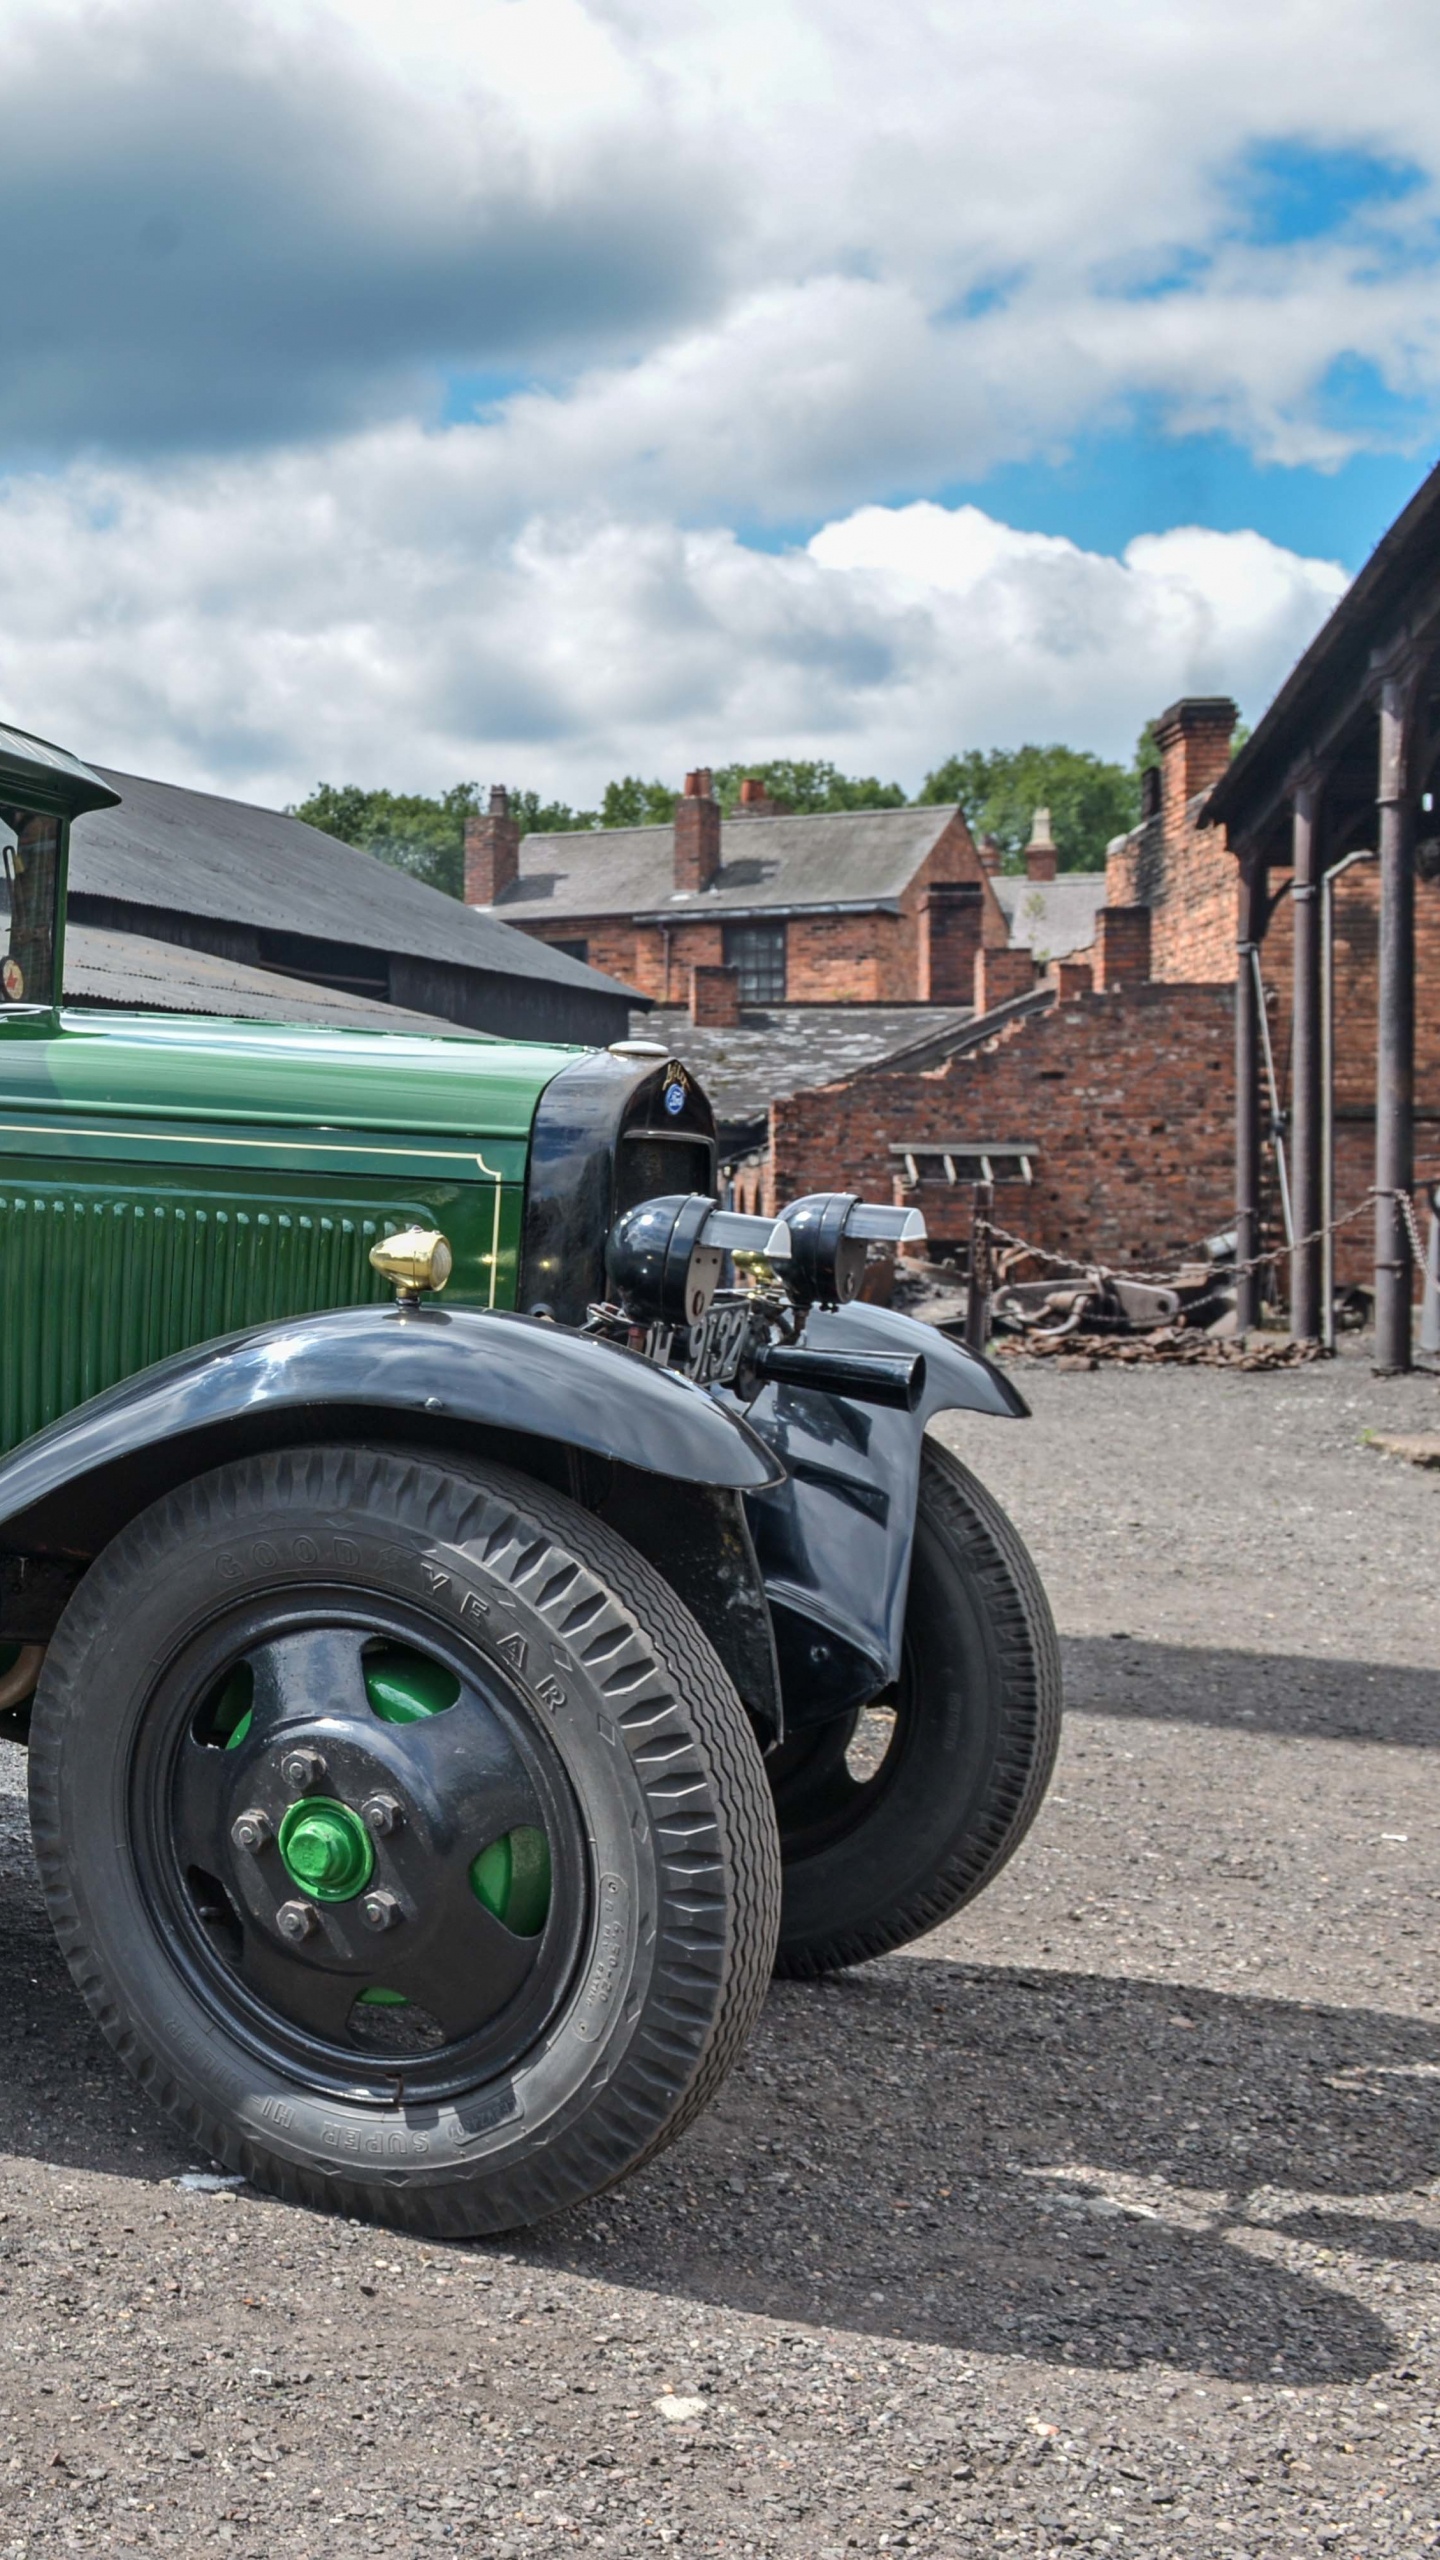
(266, 1783)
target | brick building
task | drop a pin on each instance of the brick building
(721, 914)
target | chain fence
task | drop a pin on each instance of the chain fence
(1185, 1274)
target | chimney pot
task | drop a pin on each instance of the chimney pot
(1041, 857)
(499, 800)
(992, 858)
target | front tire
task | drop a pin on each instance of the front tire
(892, 1819)
(404, 1834)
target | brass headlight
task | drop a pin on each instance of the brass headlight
(418, 1258)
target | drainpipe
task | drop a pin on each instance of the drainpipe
(1247, 1097)
(1395, 1042)
(1327, 1088)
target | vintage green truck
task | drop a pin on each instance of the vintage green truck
(444, 1713)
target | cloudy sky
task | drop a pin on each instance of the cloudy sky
(418, 390)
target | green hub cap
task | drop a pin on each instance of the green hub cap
(326, 1849)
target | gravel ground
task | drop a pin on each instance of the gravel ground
(1108, 2218)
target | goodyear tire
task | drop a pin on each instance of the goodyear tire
(892, 1820)
(404, 1835)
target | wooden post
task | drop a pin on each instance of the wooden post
(1395, 1041)
(977, 1296)
(1247, 1093)
(1305, 1175)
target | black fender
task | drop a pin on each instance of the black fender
(834, 1537)
(637, 1444)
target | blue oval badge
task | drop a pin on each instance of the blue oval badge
(674, 1099)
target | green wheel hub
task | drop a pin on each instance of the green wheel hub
(326, 1849)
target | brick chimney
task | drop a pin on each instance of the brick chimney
(1193, 737)
(1041, 859)
(714, 996)
(952, 921)
(992, 857)
(492, 851)
(697, 832)
(1122, 947)
(1001, 973)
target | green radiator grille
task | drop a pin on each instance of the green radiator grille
(94, 1287)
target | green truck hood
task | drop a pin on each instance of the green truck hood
(145, 1067)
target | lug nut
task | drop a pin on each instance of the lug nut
(382, 1815)
(380, 1910)
(302, 1770)
(295, 1919)
(250, 1830)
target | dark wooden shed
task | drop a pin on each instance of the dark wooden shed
(1345, 764)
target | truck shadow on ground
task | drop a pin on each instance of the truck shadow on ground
(1052, 2165)
(1283, 1693)
(1058, 2166)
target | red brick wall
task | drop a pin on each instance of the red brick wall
(1128, 1096)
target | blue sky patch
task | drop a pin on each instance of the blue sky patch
(1289, 190)
(1139, 480)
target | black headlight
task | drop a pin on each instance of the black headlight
(665, 1256)
(829, 1234)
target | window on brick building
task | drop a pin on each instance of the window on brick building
(758, 952)
(578, 950)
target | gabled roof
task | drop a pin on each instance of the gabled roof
(1053, 917)
(198, 854)
(841, 858)
(1398, 586)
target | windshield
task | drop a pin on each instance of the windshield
(30, 864)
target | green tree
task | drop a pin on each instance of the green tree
(633, 803)
(1000, 789)
(423, 836)
(802, 785)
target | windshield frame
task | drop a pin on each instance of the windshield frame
(17, 817)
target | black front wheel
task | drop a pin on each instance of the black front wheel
(895, 1816)
(404, 1834)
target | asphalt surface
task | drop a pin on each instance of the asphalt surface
(1106, 2219)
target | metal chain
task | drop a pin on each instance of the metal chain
(1237, 1271)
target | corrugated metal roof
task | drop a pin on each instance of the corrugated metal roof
(201, 855)
(851, 857)
(131, 969)
(1053, 917)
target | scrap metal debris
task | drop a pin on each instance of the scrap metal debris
(1171, 1344)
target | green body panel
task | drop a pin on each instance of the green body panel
(164, 1180)
(175, 1067)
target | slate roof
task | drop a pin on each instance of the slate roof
(780, 1049)
(861, 858)
(1055, 916)
(132, 969)
(199, 854)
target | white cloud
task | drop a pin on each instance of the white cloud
(373, 613)
(772, 258)
(822, 247)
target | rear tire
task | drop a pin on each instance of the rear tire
(581, 2017)
(891, 1820)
